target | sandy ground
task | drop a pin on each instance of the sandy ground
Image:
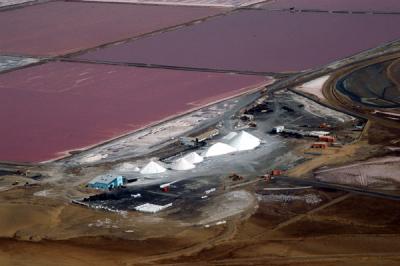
(317, 110)
(341, 229)
(373, 171)
(333, 156)
(10, 182)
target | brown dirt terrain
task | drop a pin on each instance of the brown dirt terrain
(339, 229)
(333, 233)
(345, 231)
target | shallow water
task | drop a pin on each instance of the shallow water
(55, 107)
(259, 40)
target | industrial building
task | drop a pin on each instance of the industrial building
(319, 145)
(327, 138)
(106, 182)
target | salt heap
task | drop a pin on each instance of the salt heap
(229, 136)
(219, 148)
(193, 158)
(91, 158)
(128, 167)
(152, 168)
(244, 141)
(182, 164)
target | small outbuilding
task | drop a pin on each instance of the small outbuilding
(319, 145)
(278, 129)
(105, 182)
(330, 139)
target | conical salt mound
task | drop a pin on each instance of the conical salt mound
(182, 164)
(219, 148)
(193, 157)
(152, 168)
(230, 136)
(244, 141)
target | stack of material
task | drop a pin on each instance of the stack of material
(152, 168)
(219, 148)
(127, 167)
(182, 164)
(193, 158)
(244, 141)
(91, 158)
(229, 136)
(318, 133)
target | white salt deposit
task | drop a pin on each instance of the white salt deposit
(314, 86)
(229, 136)
(91, 158)
(244, 141)
(153, 168)
(182, 164)
(128, 167)
(193, 158)
(152, 208)
(219, 148)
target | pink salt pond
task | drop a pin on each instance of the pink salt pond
(52, 108)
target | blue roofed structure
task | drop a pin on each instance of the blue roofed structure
(106, 182)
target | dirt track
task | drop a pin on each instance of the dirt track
(344, 103)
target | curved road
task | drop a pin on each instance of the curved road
(350, 107)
